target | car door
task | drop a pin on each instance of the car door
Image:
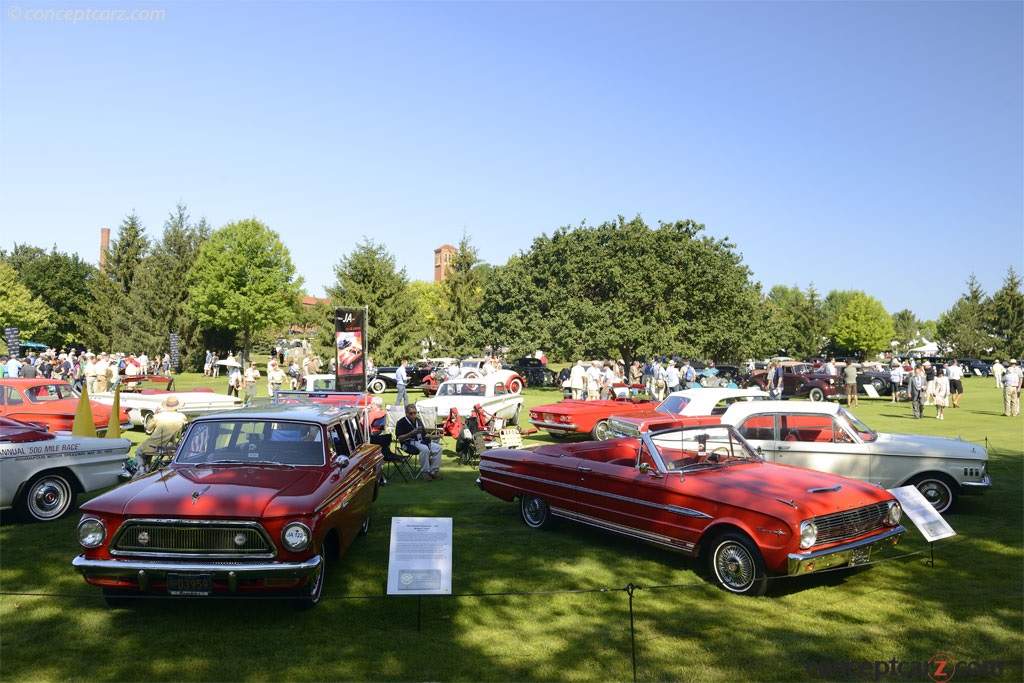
(819, 442)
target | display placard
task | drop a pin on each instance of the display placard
(349, 360)
(421, 556)
(175, 353)
(922, 513)
(11, 336)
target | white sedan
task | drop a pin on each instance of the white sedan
(490, 392)
(827, 437)
(142, 402)
(41, 473)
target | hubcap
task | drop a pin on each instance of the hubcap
(734, 567)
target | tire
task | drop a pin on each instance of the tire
(515, 385)
(600, 431)
(816, 394)
(938, 490)
(535, 512)
(471, 374)
(377, 386)
(514, 420)
(737, 565)
(117, 598)
(47, 497)
(310, 597)
(148, 423)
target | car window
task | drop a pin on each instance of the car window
(809, 429)
(46, 392)
(12, 397)
(673, 405)
(758, 427)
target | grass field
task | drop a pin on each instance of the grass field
(557, 605)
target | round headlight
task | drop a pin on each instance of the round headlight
(295, 536)
(808, 534)
(895, 514)
(91, 533)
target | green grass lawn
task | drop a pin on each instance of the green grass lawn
(552, 605)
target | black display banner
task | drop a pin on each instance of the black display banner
(13, 343)
(175, 355)
(349, 336)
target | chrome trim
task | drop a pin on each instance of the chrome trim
(659, 539)
(976, 486)
(827, 489)
(143, 573)
(129, 524)
(788, 502)
(839, 555)
(557, 426)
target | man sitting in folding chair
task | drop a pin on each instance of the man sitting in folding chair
(414, 438)
(395, 461)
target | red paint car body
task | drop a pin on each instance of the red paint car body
(572, 416)
(50, 403)
(701, 490)
(256, 501)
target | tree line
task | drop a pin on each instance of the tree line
(620, 289)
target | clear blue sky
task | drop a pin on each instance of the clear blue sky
(850, 145)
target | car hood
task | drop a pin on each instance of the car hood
(780, 490)
(222, 492)
(928, 446)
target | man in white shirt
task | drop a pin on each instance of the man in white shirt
(955, 374)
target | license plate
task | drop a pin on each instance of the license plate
(189, 584)
(548, 417)
(860, 556)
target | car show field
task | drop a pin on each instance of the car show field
(531, 604)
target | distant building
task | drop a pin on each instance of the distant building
(443, 257)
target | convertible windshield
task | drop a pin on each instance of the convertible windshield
(253, 442)
(690, 449)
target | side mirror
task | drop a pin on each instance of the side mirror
(341, 461)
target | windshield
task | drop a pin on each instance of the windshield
(48, 392)
(695, 448)
(863, 431)
(673, 405)
(263, 442)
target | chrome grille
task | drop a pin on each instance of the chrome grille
(192, 539)
(842, 526)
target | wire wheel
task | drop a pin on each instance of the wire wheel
(737, 565)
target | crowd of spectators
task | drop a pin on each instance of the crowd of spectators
(97, 372)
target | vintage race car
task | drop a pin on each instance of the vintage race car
(41, 473)
(51, 404)
(679, 405)
(489, 392)
(573, 416)
(701, 490)
(255, 502)
(830, 438)
(473, 368)
(142, 399)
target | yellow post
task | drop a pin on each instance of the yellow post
(83, 424)
(114, 426)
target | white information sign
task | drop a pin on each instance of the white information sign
(922, 513)
(421, 556)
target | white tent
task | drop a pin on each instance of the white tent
(927, 348)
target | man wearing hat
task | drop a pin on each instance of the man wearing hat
(997, 372)
(167, 424)
(1011, 389)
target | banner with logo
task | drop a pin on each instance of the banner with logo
(349, 338)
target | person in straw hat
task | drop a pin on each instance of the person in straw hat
(1011, 389)
(167, 424)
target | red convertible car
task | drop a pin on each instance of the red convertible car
(703, 491)
(255, 502)
(573, 416)
(49, 403)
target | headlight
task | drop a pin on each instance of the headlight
(895, 514)
(295, 536)
(91, 533)
(808, 534)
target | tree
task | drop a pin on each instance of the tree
(106, 325)
(862, 325)
(906, 329)
(800, 333)
(20, 308)
(368, 277)
(1005, 317)
(962, 328)
(461, 296)
(243, 279)
(427, 296)
(61, 281)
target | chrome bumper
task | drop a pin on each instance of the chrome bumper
(803, 563)
(554, 426)
(144, 572)
(978, 487)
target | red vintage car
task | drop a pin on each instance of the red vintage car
(50, 403)
(255, 502)
(701, 490)
(573, 416)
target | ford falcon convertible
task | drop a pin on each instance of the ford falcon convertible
(701, 490)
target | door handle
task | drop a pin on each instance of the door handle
(585, 469)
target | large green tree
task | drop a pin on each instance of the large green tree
(962, 328)
(906, 329)
(106, 326)
(243, 279)
(61, 280)
(369, 277)
(861, 325)
(624, 289)
(1005, 317)
(799, 329)
(461, 296)
(20, 308)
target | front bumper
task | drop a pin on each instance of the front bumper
(848, 553)
(976, 487)
(146, 575)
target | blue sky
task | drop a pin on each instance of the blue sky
(850, 145)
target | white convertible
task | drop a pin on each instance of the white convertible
(488, 392)
(141, 402)
(827, 437)
(41, 473)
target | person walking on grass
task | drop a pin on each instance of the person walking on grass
(850, 384)
(940, 395)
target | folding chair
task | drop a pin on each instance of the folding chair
(428, 416)
(400, 462)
